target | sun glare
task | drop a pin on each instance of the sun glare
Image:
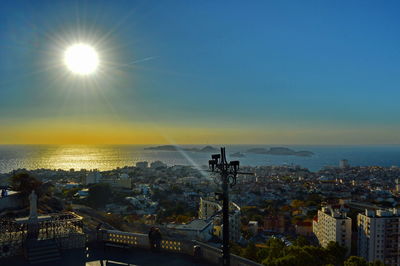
(81, 59)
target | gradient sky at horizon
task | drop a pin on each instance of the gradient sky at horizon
(273, 72)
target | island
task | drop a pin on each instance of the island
(178, 148)
(280, 151)
(238, 155)
(164, 148)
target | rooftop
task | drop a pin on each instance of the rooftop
(195, 225)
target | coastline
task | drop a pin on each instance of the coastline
(107, 157)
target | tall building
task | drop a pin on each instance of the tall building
(378, 236)
(142, 165)
(211, 209)
(157, 164)
(332, 224)
(208, 208)
(93, 177)
(344, 164)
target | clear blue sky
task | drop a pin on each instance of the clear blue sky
(295, 72)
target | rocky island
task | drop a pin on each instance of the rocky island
(238, 155)
(178, 148)
(280, 151)
(164, 148)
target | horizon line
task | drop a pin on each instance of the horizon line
(197, 144)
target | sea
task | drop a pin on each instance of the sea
(108, 157)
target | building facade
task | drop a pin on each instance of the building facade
(344, 164)
(198, 229)
(378, 236)
(304, 228)
(211, 209)
(142, 165)
(275, 223)
(332, 224)
(93, 177)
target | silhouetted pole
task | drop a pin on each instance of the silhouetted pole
(225, 218)
(228, 173)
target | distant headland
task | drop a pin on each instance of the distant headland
(271, 151)
(280, 151)
(178, 148)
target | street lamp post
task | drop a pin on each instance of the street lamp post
(228, 173)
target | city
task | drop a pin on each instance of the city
(353, 206)
(233, 133)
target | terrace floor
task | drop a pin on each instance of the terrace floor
(97, 256)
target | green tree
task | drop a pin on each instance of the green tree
(235, 248)
(317, 253)
(24, 183)
(276, 248)
(336, 253)
(262, 253)
(376, 263)
(69, 193)
(301, 241)
(355, 261)
(99, 195)
(288, 260)
(250, 252)
(298, 256)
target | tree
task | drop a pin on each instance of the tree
(276, 248)
(297, 256)
(336, 253)
(301, 241)
(69, 193)
(99, 195)
(355, 261)
(235, 248)
(250, 252)
(376, 263)
(283, 261)
(24, 183)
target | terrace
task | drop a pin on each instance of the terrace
(110, 247)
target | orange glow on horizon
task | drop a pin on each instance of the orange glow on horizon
(52, 132)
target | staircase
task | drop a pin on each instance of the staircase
(42, 251)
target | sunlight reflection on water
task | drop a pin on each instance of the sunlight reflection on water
(107, 157)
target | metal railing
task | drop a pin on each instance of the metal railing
(194, 248)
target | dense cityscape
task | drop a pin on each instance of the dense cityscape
(199, 133)
(277, 205)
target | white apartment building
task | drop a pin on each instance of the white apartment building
(344, 164)
(378, 236)
(157, 164)
(142, 165)
(210, 208)
(332, 224)
(198, 229)
(93, 177)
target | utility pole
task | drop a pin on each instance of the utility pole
(228, 173)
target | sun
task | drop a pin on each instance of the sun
(81, 59)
